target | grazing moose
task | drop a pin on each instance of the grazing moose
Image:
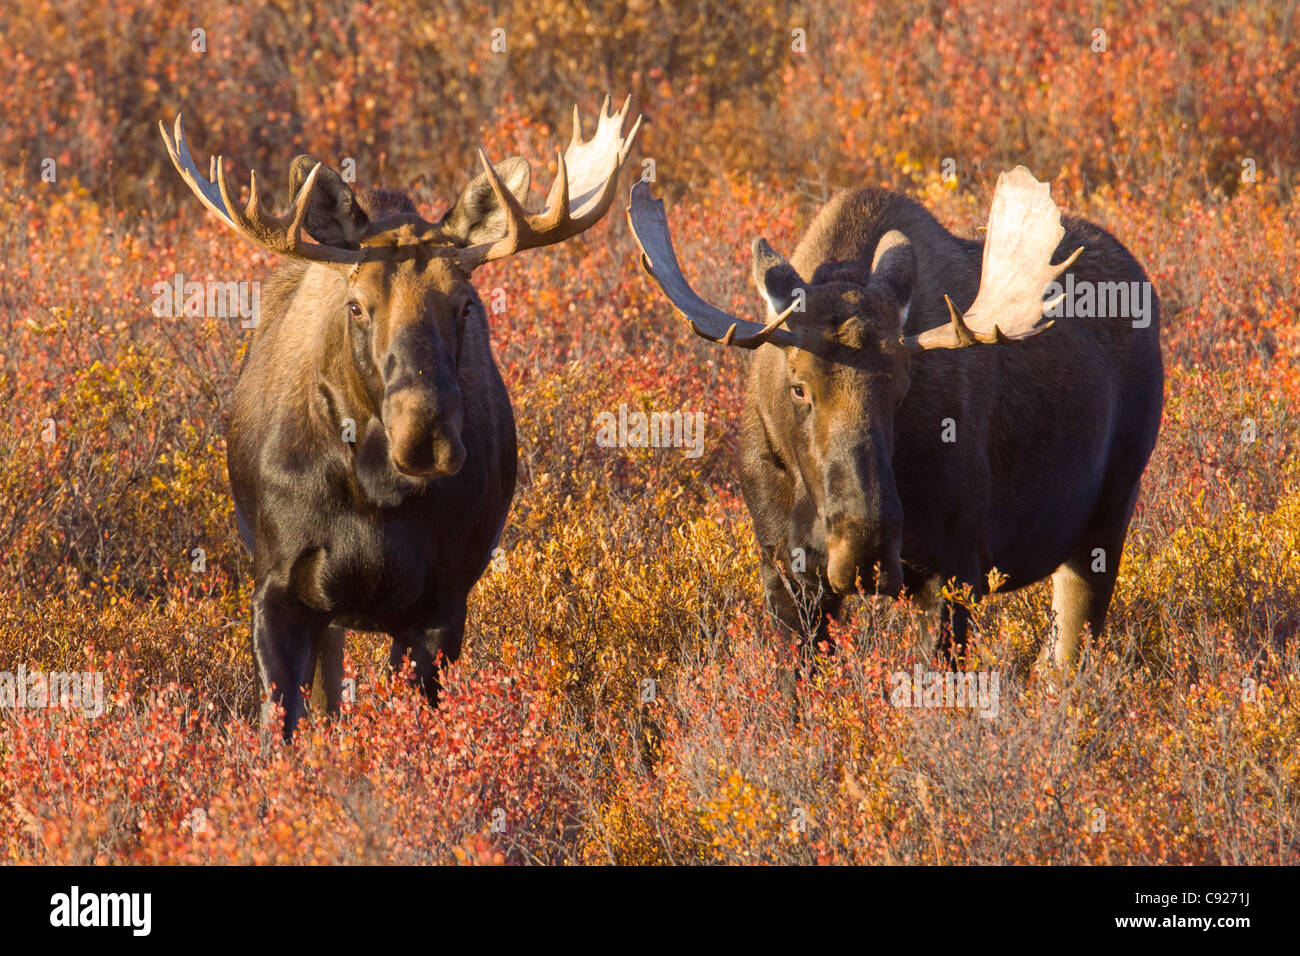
(911, 418)
(371, 447)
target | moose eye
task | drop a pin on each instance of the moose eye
(799, 392)
(355, 310)
(466, 309)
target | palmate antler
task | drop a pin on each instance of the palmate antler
(282, 234)
(1024, 230)
(583, 189)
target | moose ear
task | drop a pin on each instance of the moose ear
(334, 218)
(477, 216)
(894, 270)
(774, 277)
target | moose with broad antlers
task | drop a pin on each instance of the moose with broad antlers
(371, 448)
(917, 414)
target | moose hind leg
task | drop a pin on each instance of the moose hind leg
(1082, 587)
(1073, 595)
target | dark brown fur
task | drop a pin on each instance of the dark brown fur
(388, 532)
(1052, 433)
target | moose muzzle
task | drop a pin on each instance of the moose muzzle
(423, 435)
(864, 524)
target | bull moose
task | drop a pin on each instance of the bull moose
(916, 412)
(371, 447)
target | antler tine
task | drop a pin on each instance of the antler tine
(757, 338)
(247, 218)
(301, 203)
(558, 198)
(516, 216)
(231, 207)
(281, 234)
(586, 178)
(1056, 271)
(575, 137)
(179, 151)
(631, 138)
(254, 205)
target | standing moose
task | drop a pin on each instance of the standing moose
(371, 447)
(911, 418)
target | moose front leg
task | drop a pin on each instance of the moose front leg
(283, 634)
(954, 628)
(801, 609)
(432, 648)
(945, 625)
(325, 671)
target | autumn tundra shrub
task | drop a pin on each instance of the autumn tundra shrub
(400, 86)
(824, 93)
(620, 695)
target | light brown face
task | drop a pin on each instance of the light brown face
(406, 316)
(844, 383)
(409, 298)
